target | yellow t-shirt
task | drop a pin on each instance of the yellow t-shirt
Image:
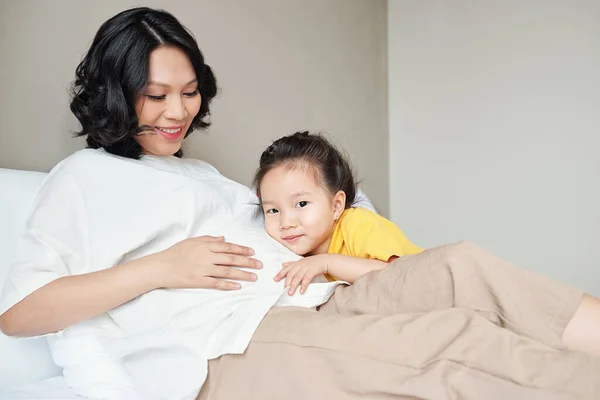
(362, 233)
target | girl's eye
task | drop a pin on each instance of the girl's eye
(271, 211)
(302, 204)
(155, 98)
(191, 94)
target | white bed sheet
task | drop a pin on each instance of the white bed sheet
(54, 388)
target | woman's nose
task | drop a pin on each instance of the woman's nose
(176, 109)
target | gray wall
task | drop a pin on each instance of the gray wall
(495, 129)
(282, 66)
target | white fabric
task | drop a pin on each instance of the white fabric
(363, 201)
(96, 210)
(21, 361)
(54, 388)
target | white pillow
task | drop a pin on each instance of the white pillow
(23, 360)
(363, 201)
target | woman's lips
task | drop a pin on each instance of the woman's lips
(170, 133)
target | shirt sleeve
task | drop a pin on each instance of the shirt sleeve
(372, 236)
(53, 243)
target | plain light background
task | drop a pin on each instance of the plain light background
(487, 110)
(495, 129)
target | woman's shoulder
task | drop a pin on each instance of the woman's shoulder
(90, 162)
(80, 160)
(73, 164)
(86, 167)
(63, 180)
(97, 167)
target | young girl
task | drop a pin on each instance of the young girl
(306, 190)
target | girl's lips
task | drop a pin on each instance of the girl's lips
(292, 238)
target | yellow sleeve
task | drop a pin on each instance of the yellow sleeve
(369, 235)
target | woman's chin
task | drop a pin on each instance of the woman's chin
(164, 150)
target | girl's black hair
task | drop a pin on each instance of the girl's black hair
(114, 72)
(310, 150)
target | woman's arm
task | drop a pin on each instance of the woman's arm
(192, 263)
(72, 299)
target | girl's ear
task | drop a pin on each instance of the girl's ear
(339, 204)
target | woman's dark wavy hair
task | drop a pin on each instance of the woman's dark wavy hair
(114, 72)
(303, 149)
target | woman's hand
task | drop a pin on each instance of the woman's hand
(205, 262)
(302, 272)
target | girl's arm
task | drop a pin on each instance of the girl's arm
(300, 273)
(348, 268)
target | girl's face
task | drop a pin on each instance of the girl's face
(169, 103)
(299, 212)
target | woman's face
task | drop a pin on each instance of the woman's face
(169, 103)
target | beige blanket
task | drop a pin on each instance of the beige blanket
(454, 322)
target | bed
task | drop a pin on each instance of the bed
(27, 370)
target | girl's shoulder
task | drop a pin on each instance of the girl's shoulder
(358, 216)
(360, 212)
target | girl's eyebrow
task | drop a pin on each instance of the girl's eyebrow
(300, 193)
(293, 195)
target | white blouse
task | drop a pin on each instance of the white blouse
(96, 210)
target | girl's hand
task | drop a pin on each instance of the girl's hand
(205, 262)
(302, 272)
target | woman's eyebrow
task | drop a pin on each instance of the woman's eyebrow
(167, 85)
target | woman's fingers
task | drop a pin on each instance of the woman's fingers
(232, 273)
(207, 238)
(208, 262)
(230, 248)
(233, 260)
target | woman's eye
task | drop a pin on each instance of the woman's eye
(191, 94)
(155, 98)
(271, 211)
(162, 97)
(301, 204)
